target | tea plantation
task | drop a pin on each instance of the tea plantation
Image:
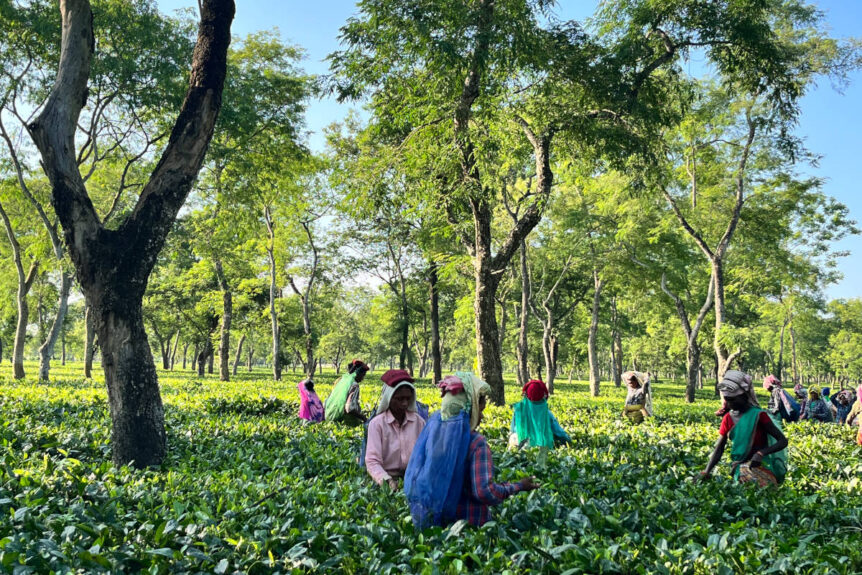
(619, 499)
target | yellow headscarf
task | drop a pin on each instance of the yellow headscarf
(455, 401)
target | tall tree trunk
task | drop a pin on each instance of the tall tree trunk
(224, 339)
(137, 414)
(273, 293)
(692, 366)
(592, 350)
(174, 351)
(205, 353)
(226, 318)
(693, 362)
(780, 367)
(487, 336)
(185, 354)
(488, 267)
(724, 356)
(114, 265)
(522, 349)
(305, 298)
(195, 357)
(618, 358)
(404, 328)
(211, 361)
(25, 282)
(616, 345)
(436, 357)
(793, 350)
(46, 350)
(250, 357)
(504, 320)
(63, 347)
(165, 349)
(238, 357)
(546, 352)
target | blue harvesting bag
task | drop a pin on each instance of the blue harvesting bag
(435, 473)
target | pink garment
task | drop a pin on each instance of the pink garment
(310, 406)
(451, 384)
(390, 445)
(769, 381)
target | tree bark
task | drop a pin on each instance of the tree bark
(273, 293)
(174, 351)
(618, 358)
(793, 351)
(46, 350)
(436, 357)
(137, 414)
(205, 356)
(780, 367)
(592, 351)
(25, 282)
(522, 349)
(404, 356)
(238, 357)
(724, 356)
(617, 346)
(487, 336)
(226, 318)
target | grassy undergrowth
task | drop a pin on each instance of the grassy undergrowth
(620, 499)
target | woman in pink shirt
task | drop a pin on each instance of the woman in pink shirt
(393, 431)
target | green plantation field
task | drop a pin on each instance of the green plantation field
(620, 499)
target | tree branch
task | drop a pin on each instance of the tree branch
(740, 186)
(701, 243)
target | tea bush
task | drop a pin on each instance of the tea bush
(247, 488)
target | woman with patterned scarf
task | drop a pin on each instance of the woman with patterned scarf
(817, 409)
(639, 398)
(758, 445)
(450, 474)
(533, 424)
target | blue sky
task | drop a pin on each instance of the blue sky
(831, 122)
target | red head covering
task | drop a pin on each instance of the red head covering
(395, 376)
(535, 390)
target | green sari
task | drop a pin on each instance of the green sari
(334, 406)
(742, 436)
